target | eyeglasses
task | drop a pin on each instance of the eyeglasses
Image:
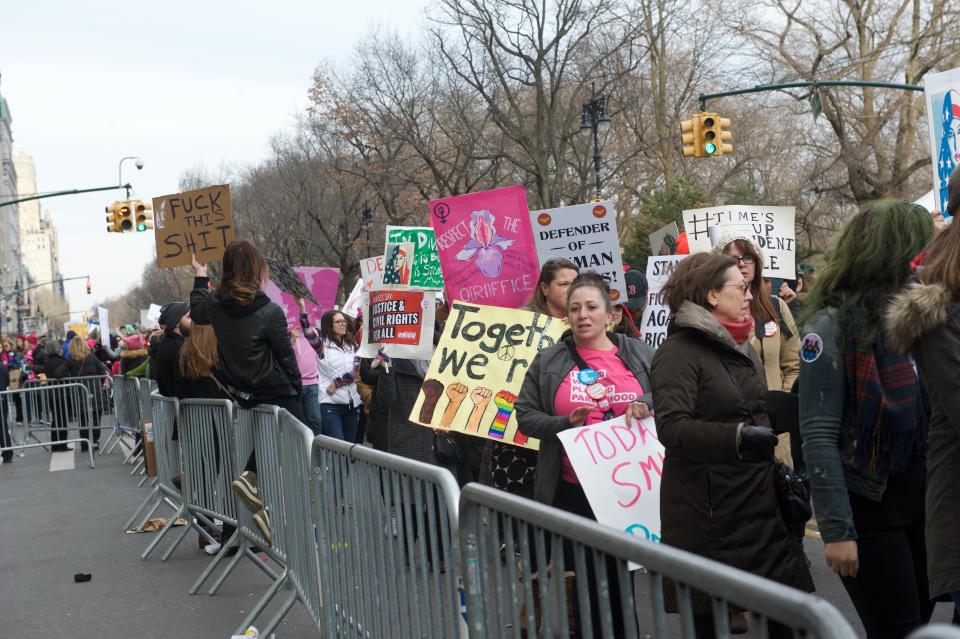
(745, 259)
(743, 287)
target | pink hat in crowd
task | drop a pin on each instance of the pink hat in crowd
(134, 341)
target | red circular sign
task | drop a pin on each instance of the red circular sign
(599, 211)
(544, 219)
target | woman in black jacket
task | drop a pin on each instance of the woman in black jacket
(589, 377)
(257, 364)
(83, 363)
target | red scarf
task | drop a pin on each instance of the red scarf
(739, 331)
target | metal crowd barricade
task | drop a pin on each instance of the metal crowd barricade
(936, 631)
(51, 406)
(165, 411)
(129, 420)
(505, 598)
(388, 543)
(300, 548)
(257, 430)
(98, 387)
(206, 433)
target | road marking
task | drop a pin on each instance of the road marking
(62, 461)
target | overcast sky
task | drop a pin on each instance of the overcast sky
(180, 84)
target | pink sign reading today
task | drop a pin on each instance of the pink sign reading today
(486, 247)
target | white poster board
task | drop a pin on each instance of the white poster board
(371, 272)
(620, 469)
(585, 234)
(656, 315)
(942, 94)
(772, 230)
(401, 322)
(354, 302)
(104, 317)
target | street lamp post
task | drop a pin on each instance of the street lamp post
(138, 164)
(593, 116)
(366, 221)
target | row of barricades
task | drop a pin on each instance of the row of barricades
(46, 412)
(376, 545)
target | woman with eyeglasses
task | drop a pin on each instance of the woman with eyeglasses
(864, 417)
(775, 335)
(339, 399)
(717, 495)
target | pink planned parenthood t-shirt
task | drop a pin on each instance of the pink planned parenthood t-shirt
(623, 388)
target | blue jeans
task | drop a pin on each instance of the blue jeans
(310, 405)
(340, 421)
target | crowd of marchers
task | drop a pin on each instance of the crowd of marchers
(851, 383)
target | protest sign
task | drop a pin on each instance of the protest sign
(486, 247)
(195, 222)
(425, 271)
(585, 234)
(354, 301)
(656, 315)
(771, 230)
(399, 321)
(397, 260)
(478, 368)
(664, 241)
(371, 272)
(103, 315)
(81, 328)
(322, 282)
(942, 93)
(620, 470)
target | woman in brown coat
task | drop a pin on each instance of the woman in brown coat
(924, 320)
(717, 498)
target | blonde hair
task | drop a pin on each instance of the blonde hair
(78, 348)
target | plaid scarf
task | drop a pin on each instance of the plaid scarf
(891, 410)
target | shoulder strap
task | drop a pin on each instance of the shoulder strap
(575, 354)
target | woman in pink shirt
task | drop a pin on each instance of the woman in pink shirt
(590, 376)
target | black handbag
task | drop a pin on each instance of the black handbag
(793, 491)
(793, 496)
(446, 448)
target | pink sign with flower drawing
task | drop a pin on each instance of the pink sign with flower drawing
(486, 247)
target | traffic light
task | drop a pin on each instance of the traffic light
(88, 286)
(715, 134)
(706, 135)
(113, 217)
(143, 215)
(690, 130)
(125, 217)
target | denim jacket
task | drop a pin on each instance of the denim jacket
(829, 430)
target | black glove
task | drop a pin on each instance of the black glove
(756, 443)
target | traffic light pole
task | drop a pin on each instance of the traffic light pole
(810, 83)
(70, 192)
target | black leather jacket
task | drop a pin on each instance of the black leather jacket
(257, 361)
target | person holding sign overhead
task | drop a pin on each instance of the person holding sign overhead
(717, 496)
(257, 362)
(588, 377)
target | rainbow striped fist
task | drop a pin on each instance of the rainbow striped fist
(504, 401)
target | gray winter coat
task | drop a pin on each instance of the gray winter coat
(924, 321)
(535, 413)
